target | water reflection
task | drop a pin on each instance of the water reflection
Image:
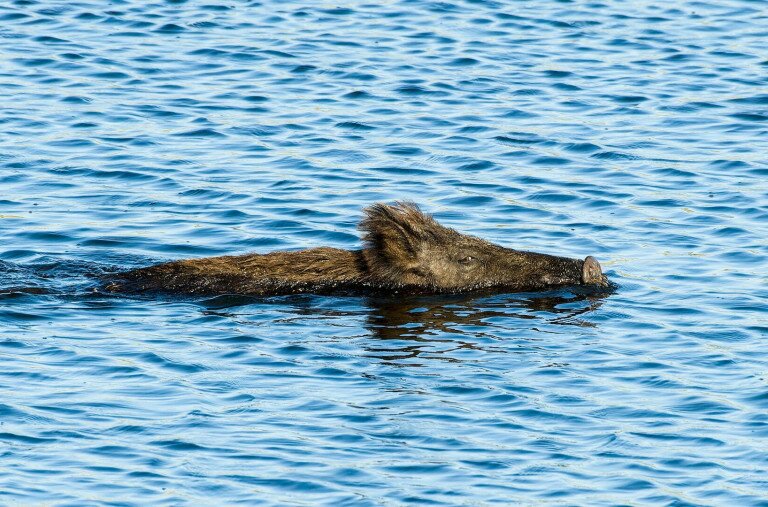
(434, 327)
(426, 327)
(395, 319)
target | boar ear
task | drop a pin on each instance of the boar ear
(394, 232)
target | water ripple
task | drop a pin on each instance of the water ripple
(134, 134)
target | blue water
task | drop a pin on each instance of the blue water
(138, 132)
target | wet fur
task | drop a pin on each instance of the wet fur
(404, 250)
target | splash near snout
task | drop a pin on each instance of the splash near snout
(592, 273)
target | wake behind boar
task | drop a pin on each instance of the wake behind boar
(405, 251)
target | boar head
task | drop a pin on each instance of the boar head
(405, 247)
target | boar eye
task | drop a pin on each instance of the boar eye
(467, 260)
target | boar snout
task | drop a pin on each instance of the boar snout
(592, 273)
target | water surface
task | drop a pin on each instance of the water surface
(138, 132)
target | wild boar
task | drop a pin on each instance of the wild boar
(405, 251)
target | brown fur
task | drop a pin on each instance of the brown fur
(404, 250)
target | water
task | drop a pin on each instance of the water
(137, 132)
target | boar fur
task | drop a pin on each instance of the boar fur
(405, 251)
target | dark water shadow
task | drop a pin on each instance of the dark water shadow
(393, 319)
(444, 327)
(407, 330)
(396, 316)
(49, 276)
